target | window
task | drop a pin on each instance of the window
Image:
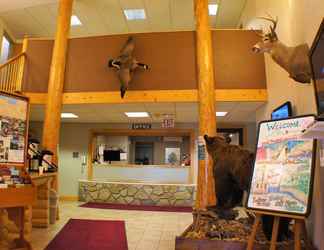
(5, 49)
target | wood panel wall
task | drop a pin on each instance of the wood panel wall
(171, 56)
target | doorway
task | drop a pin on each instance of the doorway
(144, 153)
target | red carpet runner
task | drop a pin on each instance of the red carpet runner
(90, 235)
(137, 207)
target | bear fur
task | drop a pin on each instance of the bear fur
(232, 171)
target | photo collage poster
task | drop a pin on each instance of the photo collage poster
(282, 175)
(13, 124)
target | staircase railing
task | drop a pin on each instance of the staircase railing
(11, 73)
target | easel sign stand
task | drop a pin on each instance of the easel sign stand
(16, 196)
(299, 229)
(282, 180)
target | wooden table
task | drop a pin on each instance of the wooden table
(41, 208)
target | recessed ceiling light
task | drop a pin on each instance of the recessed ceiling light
(212, 9)
(221, 113)
(135, 14)
(68, 115)
(75, 21)
(137, 114)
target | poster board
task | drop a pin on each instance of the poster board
(283, 172)
(14, 111)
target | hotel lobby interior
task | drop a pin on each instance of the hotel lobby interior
(161, 124)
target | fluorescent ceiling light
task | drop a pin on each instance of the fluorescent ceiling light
(75, 21)
(68, 115)
(137, 114)
(221, 113)
(212, 9)
(135, 14)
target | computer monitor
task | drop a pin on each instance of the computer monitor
(317, 63)
(282, 112)
(111, 155)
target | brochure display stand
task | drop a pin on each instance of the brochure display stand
(16, 190)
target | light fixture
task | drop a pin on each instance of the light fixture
(137, 114)
(221, 113)
(212, 9)
(69, 115)
(75, 21)
(134, 14)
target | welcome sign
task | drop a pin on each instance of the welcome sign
(283, 170)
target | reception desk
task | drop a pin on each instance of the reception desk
(158, 174)
(137, 193)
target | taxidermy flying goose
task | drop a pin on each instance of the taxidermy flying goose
(126, 64)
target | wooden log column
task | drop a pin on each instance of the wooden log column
(206, 100)
(56, 79)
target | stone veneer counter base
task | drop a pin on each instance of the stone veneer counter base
(137, 193)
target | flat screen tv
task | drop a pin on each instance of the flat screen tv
(111, 155)
(282, 112)
(317, 64)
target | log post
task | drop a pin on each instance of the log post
(51, 128)
(206, 100)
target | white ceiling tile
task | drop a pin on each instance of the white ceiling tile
(21, 22)
(229, 13)
(90, 17)
(132, 4)
(158, 14)
(21, 4)
(182, 14)
(44, 15)
(112, 16)
(104, 17)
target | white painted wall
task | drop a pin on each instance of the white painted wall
(298, 23)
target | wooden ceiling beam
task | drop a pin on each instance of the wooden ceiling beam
(153, 96)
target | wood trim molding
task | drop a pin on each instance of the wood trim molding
(68, 198)
(153, 96)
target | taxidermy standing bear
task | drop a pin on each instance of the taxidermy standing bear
(232, 171)
(126, 64)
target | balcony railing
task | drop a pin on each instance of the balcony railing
(11, 73)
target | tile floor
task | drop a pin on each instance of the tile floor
(145, 230)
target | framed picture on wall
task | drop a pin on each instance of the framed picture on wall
(172, 156)
(283, 171)
(13, 128)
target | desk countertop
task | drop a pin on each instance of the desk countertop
(35, 175)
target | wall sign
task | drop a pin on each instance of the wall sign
(141, 126)
(168, 123)
(282, 179)
(201, 148)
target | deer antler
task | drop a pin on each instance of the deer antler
(258, 33)
(274, 22)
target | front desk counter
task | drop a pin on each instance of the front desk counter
(41, 208)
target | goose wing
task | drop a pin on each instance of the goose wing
(128, 48)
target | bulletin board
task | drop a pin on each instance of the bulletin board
(282, 180)
(14, 110)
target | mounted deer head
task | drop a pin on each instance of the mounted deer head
(267, 38)
(293, 59)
